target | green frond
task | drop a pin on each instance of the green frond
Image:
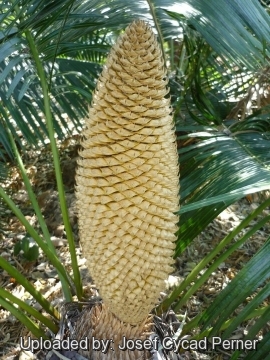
(215, 172)
(253, 275)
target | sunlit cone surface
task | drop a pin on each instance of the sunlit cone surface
(127, 178)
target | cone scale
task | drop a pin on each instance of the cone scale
(127, 178)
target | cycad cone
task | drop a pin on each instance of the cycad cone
(127, 178)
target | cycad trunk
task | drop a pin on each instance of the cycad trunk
(127, 186)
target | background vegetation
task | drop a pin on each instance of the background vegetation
(217, 57)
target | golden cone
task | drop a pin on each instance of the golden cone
(127, 178)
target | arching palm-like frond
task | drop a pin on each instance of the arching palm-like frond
(209, 186)
(83, 32)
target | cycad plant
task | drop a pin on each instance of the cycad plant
(128, 186)
(50, 55)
